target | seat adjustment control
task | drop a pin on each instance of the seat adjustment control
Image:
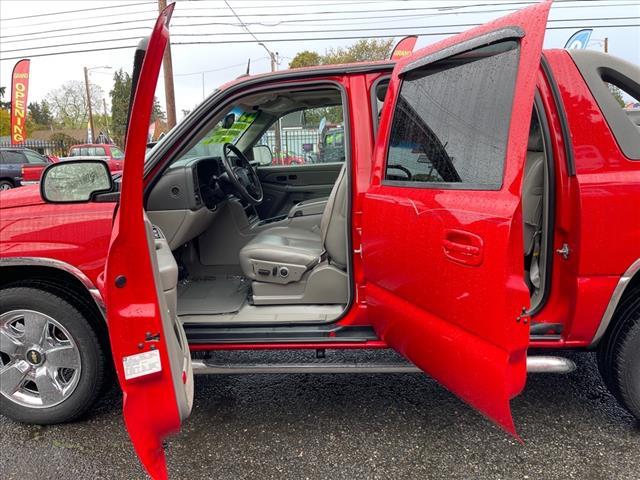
(284, 272)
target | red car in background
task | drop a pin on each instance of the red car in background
(105, 151)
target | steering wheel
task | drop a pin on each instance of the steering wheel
(404, 170)
(241, 175)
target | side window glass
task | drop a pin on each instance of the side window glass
(14, 158)
(628, 102)
(451, 120)
(99, 152)
(33, 158)
(312, 135)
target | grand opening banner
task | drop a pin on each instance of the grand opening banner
(19, 91)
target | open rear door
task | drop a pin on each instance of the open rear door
(442, 223)
(149, 347)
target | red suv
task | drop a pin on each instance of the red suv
(110, 153)
(483, 221)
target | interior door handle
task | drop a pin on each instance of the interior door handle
(463, 247)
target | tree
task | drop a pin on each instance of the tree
(305, 58)
(120, 104)
(3, 104)
(40, 114)
(362, 51)
(617, 94)
(5, 122)
(157, 113)
(69, 103)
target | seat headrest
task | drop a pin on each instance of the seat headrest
(535, 136)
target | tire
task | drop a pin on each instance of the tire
(6, 185)
(78, 336)
(619, 354)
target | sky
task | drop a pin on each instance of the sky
(284, 26)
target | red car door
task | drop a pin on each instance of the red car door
(442, 224)
(149, 347)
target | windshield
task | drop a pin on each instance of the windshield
(117, 153)
(211, 143)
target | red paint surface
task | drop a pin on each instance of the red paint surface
(454, 313)
(150, 407)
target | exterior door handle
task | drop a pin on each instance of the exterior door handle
(463, 247)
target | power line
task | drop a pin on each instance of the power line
(413, 28)
(410, 27)
(298, 20)
(86, 42)
(221, 68)
(48, 36)
(241, 22)
(110, 7)
(428, 34)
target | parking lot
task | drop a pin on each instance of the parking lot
(349, 426)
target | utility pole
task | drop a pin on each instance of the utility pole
(169, 91)
(106, 117)
(278, 130)
(606, 44)
(86, 83)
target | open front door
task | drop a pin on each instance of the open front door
(442, 224)
(149, 347)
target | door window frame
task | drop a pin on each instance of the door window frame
(492, 38)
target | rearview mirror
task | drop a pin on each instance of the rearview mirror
(228, 121)
(262, 154)
(75, 181)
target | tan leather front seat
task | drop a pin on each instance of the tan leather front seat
(284, 254)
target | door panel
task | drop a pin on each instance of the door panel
(284, 186)
(148, 344)
(444, 270)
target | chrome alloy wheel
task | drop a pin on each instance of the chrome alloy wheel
(39, 360)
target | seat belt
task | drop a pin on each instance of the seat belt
(534, 268)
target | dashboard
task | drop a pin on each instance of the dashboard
(188, 184)
(184, 201)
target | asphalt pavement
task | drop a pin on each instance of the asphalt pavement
(349, 427)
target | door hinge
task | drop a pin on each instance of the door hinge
(564, 251)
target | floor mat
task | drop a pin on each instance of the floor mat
(212, 296)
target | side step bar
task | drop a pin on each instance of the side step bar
(535, 364)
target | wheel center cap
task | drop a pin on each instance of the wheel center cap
(34, 357)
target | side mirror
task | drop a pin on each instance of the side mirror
(75, 181)
(262, 154)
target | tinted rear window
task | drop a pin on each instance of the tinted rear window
(9, 157)
(451, 120)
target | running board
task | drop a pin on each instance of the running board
(535, 364)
